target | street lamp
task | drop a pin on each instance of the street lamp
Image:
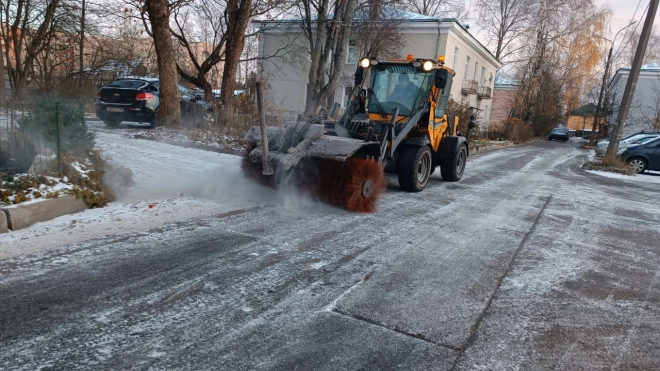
(592, 140)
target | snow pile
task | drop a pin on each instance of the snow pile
(650, 177)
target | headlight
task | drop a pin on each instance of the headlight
(428, 65)
(365, 62)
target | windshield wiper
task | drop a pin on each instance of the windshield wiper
(380, 108)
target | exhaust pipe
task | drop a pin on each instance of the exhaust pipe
(265, 157)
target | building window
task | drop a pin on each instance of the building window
(351, 55)
(347, 96)
(467, 67)
(483, 75)
(453, 67)
(476, 68)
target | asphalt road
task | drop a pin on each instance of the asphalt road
(528, 263)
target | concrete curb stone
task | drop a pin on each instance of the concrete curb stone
(23, 216)
(3, 222)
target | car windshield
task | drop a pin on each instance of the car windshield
(558, 130)
(402, 86)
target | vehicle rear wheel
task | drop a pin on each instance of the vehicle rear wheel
(152, 122)
(414, 168)
(637, 164)
(452, 169)
(112, 123)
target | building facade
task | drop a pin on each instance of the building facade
(504, 95)
(644, 113)
(285, 63)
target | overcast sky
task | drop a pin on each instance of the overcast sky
(622, 13)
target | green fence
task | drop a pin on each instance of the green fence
(36, 135)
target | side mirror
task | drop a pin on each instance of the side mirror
(441, 79)
(359, 75)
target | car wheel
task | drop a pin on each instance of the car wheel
(112, 123)
(637, 164)
(152, 122)
(414, 168)
(453, 168)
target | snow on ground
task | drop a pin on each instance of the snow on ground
(650, 177)
(173, 184)
(204, 137)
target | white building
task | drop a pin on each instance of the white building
(285, 62)
(644, 113)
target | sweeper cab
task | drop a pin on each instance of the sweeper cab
(395, 123)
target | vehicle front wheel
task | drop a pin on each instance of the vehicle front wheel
(414, 168)
(637, 164)
(452, 169)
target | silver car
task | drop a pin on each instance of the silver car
(601, 148)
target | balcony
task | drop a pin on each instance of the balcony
(485, 92)
(470, 87)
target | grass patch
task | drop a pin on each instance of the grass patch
(613, 166)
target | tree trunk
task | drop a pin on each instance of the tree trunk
(330, 36)
(81, 60)
(169, 110)
(238, 15)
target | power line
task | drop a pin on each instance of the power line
(622, 48)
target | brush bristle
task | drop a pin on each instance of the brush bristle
(338, 183)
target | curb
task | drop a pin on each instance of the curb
(23, 216)
(3, 222)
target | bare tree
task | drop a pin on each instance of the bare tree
(377, 30)
(436, 8)
(169, 110)
(24, 28)
(504, 22)
(325, 36)
(629, 46)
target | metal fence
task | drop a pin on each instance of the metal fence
(36, 135)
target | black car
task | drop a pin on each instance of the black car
(559, 134)
(643, 157)
(136, 100)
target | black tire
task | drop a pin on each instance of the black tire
(152, 122)
(414, 168)
(112, 123)
(452, 169)
(638, 164)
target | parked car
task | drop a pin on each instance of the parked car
(559, 134)
(606, 141)
(643, 157)
(136, 99)
(601, 148)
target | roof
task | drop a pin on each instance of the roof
(501, 81)
(390, 14)
(586, 110)
(646, 67)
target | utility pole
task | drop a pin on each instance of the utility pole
(606, 76)
(592, 141)
(628, 92)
